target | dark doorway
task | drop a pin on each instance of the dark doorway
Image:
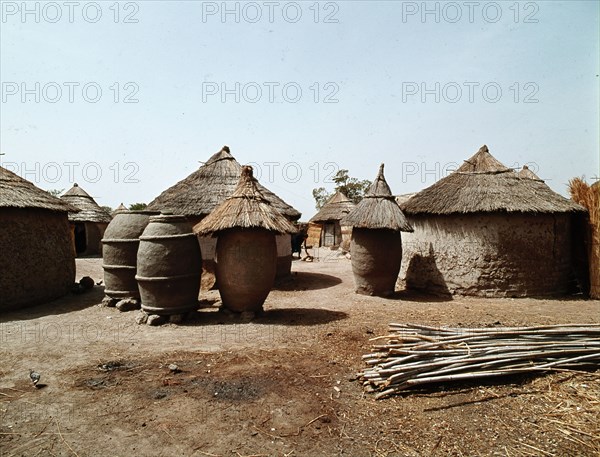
(80, 238)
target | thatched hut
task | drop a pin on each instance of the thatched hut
(201, 192)
(485, 230)
(329, 217)
(246, 224)
(88, 224)
(376, 246)
(38, 262)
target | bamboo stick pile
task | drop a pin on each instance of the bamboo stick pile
(416, 355)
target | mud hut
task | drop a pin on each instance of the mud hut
(245, 225)
(329, 217)
(38, 262)
(485, 230)
(88, 224)
(376, 246)
(201, 192)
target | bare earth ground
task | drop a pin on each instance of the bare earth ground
(280, 385)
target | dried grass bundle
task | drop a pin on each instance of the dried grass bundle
(589, 197)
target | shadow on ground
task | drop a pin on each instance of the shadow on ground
(289, 316)
(420, 297)
(67, 304)
(302, 280)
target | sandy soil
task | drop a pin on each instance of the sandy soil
(280, 385)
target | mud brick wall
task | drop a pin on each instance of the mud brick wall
(37, 260)
(489, 255)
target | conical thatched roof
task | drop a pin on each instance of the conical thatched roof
(483, 184)
(16, 192)
(246, 207)
(90, 211)
(202, 191)
(335, 209)
(119, 208)
(378, 209)
(526, 173)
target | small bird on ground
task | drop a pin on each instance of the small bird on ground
(35, 377)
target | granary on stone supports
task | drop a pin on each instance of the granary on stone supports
(201, 192)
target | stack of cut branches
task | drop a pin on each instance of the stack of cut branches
(416, 355)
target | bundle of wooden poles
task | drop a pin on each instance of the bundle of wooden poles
(417, 355)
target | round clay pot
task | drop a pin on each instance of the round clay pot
(246, 267)
(119, 252)
(169, 266)
(376, 256)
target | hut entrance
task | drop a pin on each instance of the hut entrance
(328, 235)
(80, 237)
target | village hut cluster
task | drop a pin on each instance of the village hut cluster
(201, 192)
(484, 230)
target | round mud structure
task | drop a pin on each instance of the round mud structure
(246, 267)
(169, 266)
(376, 256)
(119, 252)
(284, 255)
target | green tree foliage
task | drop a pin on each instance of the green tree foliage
(137, 206)
(353, 188)
(108, 209)
(321, 196)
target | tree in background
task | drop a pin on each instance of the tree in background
(137, 206)
(353, 188)
(108, 209)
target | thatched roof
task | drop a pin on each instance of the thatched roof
(483, 184)
(334, 209)
(118, 209)
(378, 209)
(403, 198)
(202, 191)
(16, 192)
(90, 210)
(526, 172)
(246, 207)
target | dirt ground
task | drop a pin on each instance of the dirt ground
(280, 385)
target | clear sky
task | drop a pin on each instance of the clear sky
(127, 98)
